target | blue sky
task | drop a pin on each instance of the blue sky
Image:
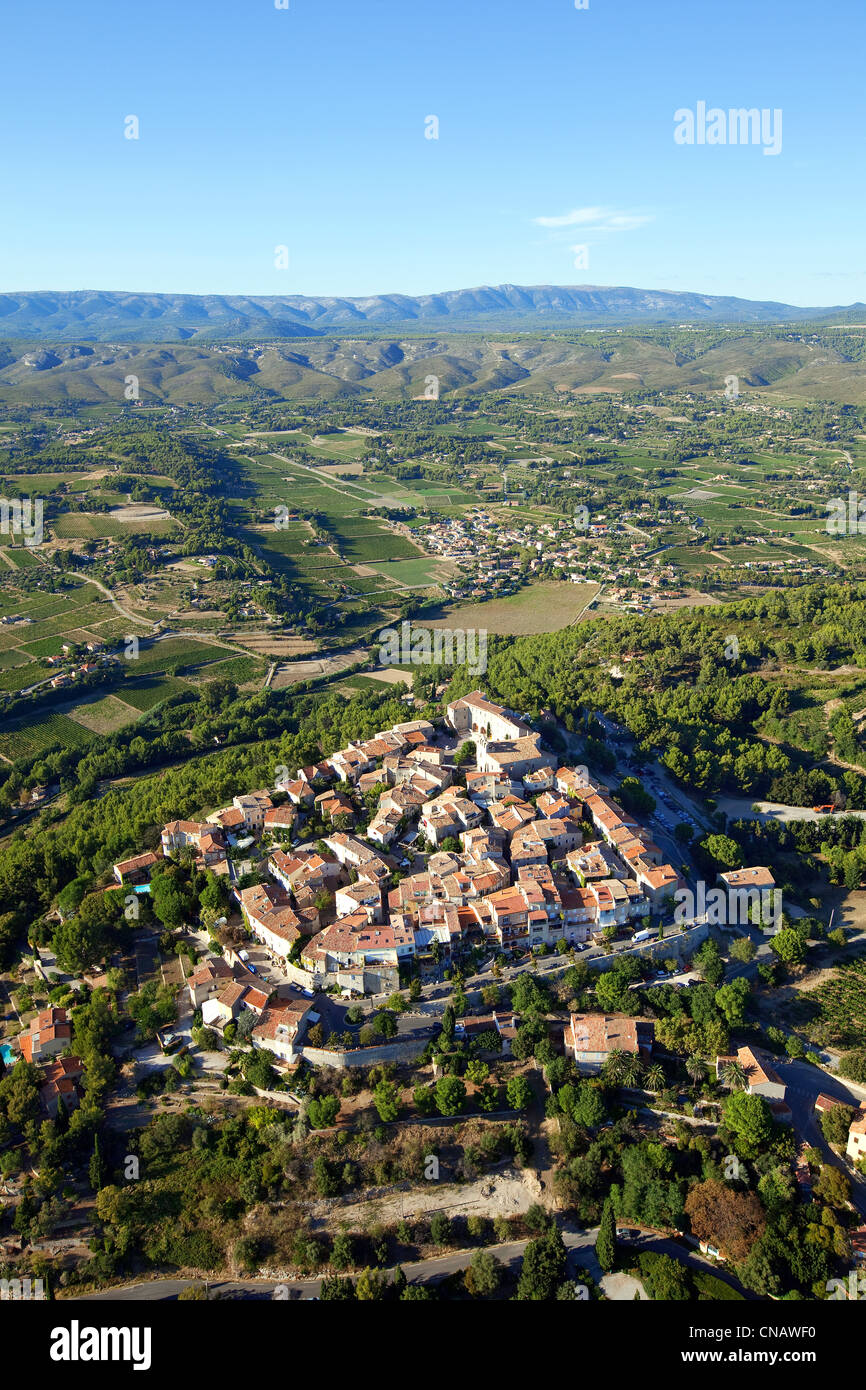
(305, 128)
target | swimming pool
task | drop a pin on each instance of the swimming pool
(6, 1053)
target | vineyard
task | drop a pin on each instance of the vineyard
(835, 1013)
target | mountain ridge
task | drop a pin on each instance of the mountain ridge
(138, 316)
(785, 363)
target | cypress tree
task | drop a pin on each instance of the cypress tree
(605, 1246)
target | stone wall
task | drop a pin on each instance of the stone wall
(678, 944)
(401, 1050)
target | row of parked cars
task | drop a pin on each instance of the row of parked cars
(663, 797)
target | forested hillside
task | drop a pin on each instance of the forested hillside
(724, 695)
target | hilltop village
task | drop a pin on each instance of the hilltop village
(346, 915)
(520, 854)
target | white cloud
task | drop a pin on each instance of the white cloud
(596, 219)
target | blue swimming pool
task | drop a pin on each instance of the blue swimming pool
(6, 1053)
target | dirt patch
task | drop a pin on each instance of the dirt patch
(272, 644)
(510, 1192)
(353, 466)
(693, 598)
(393, 676)
(291, 672)
(137, 512)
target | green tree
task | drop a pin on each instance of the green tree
(322, 1111)
(709, 961)
(450, 1095)
(732, 999)
(335, 1289)
(543, 1267)
(477, 1071)
(519, 1093)
(665, 1279)
(98, 1169)
(788, 945)
(484, 1274)
(742, 949)
(724, 852)
(833, 1186)
(83, 940)
(19, 1093)
(749, 1119)
(584, 1104)
(342, 1251)
(835, 1124)
(169, 903)
(441, 1232)
(386, 1099)
(425, 1099)
(605, 1245)
(370, 1286)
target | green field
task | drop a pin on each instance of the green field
(27, 738)
(175, 651)
(538, 608)
(23, 557)
(19, 677)
(96, 526)
(362, 539)
(104, 715)
(145, 694)
(411, 573)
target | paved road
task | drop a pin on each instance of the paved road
(804, 1083)
(579, 1244)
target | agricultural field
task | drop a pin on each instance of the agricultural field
(175, 652)
(538, 608)
(30, 737)
(100, 525)
(104, 715)
(20, 557)
(835, 1012)
(19, 677)
(363, 539)
(77, 616)
(426, 570)
(145, 694)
